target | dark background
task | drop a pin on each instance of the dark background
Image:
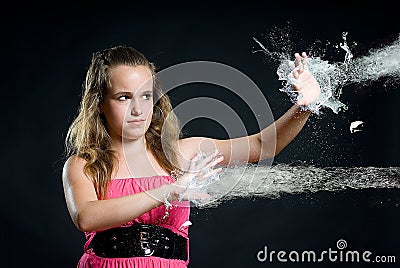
(48, 48)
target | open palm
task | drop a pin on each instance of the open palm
(305, 83)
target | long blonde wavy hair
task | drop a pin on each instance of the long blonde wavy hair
(87, 136)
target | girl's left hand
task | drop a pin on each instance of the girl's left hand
(305, 83)
(196, 169)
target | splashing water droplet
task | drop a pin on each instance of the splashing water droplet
(275, 181)
(333, 76)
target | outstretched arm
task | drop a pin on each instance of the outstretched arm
(274, 138)
(291, 123)
(90, 214)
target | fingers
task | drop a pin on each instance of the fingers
(214, 162)
(295, 73)
(201, 168)
(211, 156)
(301, 62)
(203, 161)
(304, 55)
(208, 159)
(292, 65)
(208, 174)
(298, 59)
(193, 163)
(297, 66)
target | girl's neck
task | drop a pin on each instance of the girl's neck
(125, 146)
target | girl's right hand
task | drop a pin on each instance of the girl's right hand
(196, 169)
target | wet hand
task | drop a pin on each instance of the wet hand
(199, 169)
(305, 83)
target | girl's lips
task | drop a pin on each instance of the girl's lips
(136, 122)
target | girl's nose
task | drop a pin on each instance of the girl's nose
(136, 109)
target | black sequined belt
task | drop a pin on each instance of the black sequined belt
(139, 240)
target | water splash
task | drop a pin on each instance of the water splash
(381, 62)
(333, 76)
(273, 182)
(348, 56)
(199, 186)
(255, 180)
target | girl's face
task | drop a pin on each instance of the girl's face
(128, 104)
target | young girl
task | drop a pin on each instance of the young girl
(128, 168)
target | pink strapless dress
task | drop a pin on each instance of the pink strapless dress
(177, 222)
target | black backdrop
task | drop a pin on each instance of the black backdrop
(51, 45)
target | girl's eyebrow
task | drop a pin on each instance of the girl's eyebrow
(122, 92)
(130, 93)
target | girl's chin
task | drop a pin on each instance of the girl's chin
(133, 135)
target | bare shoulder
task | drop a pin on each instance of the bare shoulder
(73, 168)
(74, 162)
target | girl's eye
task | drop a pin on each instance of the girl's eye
(147, 96)
(123, 98)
